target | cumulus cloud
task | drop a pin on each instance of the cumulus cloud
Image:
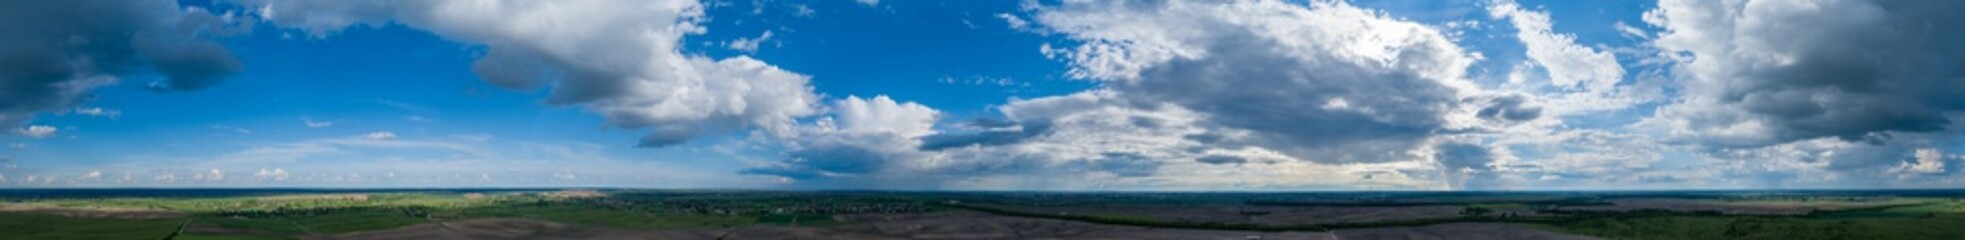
(1256, 94)
(1566, 78)
(1568, 65)
(621, 59)
(863, 136)
(52, 54)
(1923, 161)
(1088, 140)
(36, 131)
(1374, 86)
(1757, 73)
(882, 115)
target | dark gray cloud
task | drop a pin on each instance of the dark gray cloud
(663, 137)
(1287, 111)
(1123, 164)
(1287, 74)
(1221, 159)
(998, 133)
(1511, 108)
(864, 140)
(1466, 166)
(1777, 73)
(52, 53)
(190, 65)
(823, 161)
(844, 159)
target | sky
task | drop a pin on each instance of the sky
(1053, 95)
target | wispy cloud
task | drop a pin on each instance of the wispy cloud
(315, 124)
(99, 112)
(231, 129)
(37, 131)
(380, 136)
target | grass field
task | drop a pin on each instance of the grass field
(1934, 220)
(19, 225)
(606, 217)
(286, 216)
(312, 215)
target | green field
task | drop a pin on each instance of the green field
(1935, 220)
(47, 226)
(290, 216)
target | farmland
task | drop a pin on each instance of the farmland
(712, 214)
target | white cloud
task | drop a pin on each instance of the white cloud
(620, 59)
(1757, 73)
(1087, 140)
(1266, 67)
(1197, 96)
(868, 2)
(749, 45)
(802, 10)
(215, 175)
(862, 137)
(99, 112)
(36, 131)
(1630, 31)
(1569, 65)
(277, 174)
(1923, 161)
(313, 124)
(885, 116)
(983, 81)
(1016, 23)
(380, 136)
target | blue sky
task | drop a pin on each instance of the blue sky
(1033, 95)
